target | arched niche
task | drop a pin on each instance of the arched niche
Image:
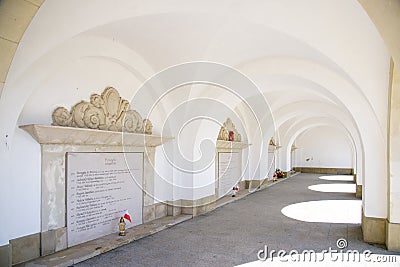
(228, 160)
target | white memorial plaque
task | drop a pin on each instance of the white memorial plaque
(228, 172)
(100, 187)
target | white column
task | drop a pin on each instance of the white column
(393, 224)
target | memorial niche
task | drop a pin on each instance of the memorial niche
(103, 125)
(228, 173)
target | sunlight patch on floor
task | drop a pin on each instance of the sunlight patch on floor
(333, 188)
(343, 178)
(325, 211)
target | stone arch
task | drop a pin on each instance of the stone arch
(316, 115)
(16, 17)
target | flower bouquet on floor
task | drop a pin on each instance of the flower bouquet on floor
(278, 174)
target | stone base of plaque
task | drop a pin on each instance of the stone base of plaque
(254, 184)
(161, 210)
(32, 246)
(242, 185)
(149, 213)
(358, 191)
(5, 255)
(174, 208)
(25, 248)
(198, 206)
(264, 183)
(153, 212)
(247, 184)
(53, 241)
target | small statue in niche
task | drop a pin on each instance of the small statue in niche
(148, 126)
(231, 136)
(228, 132)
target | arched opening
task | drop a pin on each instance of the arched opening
(324, 149)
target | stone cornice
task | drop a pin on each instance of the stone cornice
(45, 134)
(231, 145)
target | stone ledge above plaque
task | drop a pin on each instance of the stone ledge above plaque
(229, 137)
(45, 134)
(231, 145)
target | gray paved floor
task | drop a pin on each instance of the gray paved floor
(233, 234)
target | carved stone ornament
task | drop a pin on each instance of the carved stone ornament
(107, 111)
(227, 127)
(272, 142)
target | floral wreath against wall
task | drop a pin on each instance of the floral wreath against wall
(278, 174)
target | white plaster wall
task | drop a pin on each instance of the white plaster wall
(25, 189)
(163, 177)
(326, 147)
